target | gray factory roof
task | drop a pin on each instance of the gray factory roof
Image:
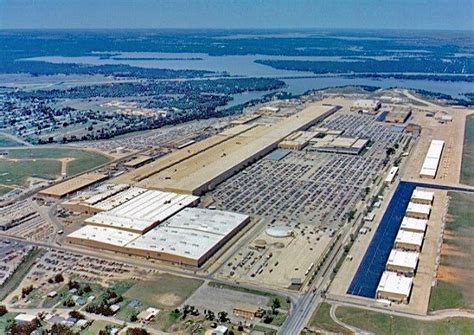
(190, 233)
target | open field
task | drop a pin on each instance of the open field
(18, 172)
(6, 142)
(467, 170)
(381, 324)
(456, 271)
(45, 163)
(165, 290)
(321, 320)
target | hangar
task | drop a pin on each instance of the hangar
(414, 225)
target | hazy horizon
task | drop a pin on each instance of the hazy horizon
(454, 15)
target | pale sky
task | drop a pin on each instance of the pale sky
(364, 14)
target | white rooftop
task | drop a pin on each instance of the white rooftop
(403, 258)
(190, 233)
(391, 282)
(25, 317)
(119, 198)
(142, 211)
(422, 195)
(112, 236)
(104, 191)
(414, 224)
(408, 237)
(419, 208)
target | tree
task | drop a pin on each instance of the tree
(275, 305)
(136, 331)
(76, 315)
(60, 329)
(222, 316)
(3, 310)
(58, 278)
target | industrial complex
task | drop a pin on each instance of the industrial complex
(332, 197)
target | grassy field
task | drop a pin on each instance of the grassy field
(17, 173)
(165, 290)
(384, 324)
(454, 288)
(6, 142)
(322, 320)
(44, 163)
(6, 321)
(4, 190)
(467, 169)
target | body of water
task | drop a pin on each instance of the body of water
(299, 83)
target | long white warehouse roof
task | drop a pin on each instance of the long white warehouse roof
(401, 258)
(191, 233)
(408, 237)
(412, 224)
(391, 282)
(143, 211)
(120, 198)
(433, 156)
(106, 235)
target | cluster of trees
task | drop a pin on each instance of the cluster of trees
(58, 278)
(25, 291)
(456, 65)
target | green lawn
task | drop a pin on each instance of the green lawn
(446, 295)
(6, 321)
(46, 164)
(467, 169)
(6, 142)
(165, 290)
(4, 190)
(459, 240)
(384, 324)
(321, 319)
(17, 173)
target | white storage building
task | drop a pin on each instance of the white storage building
(432, 159)
(414, 225)
(422, 197)
(407, 240)
(418, 211)
(403, 262)
(394, 287)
